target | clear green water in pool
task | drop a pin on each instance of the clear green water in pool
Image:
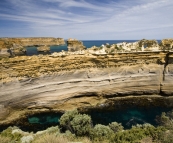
(128, 117)
(44, 119)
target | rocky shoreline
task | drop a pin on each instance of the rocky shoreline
(84, 80)
(10, 47)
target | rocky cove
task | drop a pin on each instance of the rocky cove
(93, 83)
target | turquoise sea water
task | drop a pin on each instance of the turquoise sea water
(45, 118)
(87, 43)
(128, 117)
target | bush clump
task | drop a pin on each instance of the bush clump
(79, 124)
(166, 119)
(136, 134)
(101, 132)
(116, 127)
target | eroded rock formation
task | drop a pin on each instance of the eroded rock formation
(11, 47)
(16, 46)
(43, 49)
(40, 41)
(167, 44)
(75, 45)
(57, 83)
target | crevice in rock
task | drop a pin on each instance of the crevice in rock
(164, 71)
(165, 65)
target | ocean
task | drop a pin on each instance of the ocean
(88, 43)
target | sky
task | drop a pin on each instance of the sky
(87, 19)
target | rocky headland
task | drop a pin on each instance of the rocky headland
(104, 78)
(10, 47)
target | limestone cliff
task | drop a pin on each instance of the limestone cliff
(11, 47)
(75, 45)
(16, 46)
(45, 83)
(39, 41)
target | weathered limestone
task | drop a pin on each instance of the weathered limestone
(17, 50)
(39, 41)
(167, 44)
(5, 53)
(43, 49)
(94, 78)
(42, 83)
(75, 45)
(11, 48)
(16, 46)
(167, 84)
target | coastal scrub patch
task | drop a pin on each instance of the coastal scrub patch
(101, 132)
(80, 124)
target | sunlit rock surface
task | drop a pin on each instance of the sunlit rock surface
(10, 47)
(75, 45)
(33, 84)
(43, 49)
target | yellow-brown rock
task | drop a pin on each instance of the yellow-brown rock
(148, 43)
(37, 41)
(43, 49)
(167, 44)
(43, 83)
(16, 46)
(75, 45)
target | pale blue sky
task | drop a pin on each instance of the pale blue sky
(87, 19)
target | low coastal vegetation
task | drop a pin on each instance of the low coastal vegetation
(76, 127)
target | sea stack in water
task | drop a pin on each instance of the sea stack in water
(44, 49)
(75, 45)
(10, 47)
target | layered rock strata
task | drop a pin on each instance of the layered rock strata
(39, 41)
(75, 45)
(16, 46)
(44, 83)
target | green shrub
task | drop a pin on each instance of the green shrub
(166, 120)
(136, 134)
(5, 139)
(13, 136)
(167, 137)
(80, 124)
(116, 127)
(108, 46)
(101, 132)
(66, 118)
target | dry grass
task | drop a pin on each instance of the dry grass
(83, 140)
(51, 138)
(4, 139)
(54, 138)
(146, 140)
